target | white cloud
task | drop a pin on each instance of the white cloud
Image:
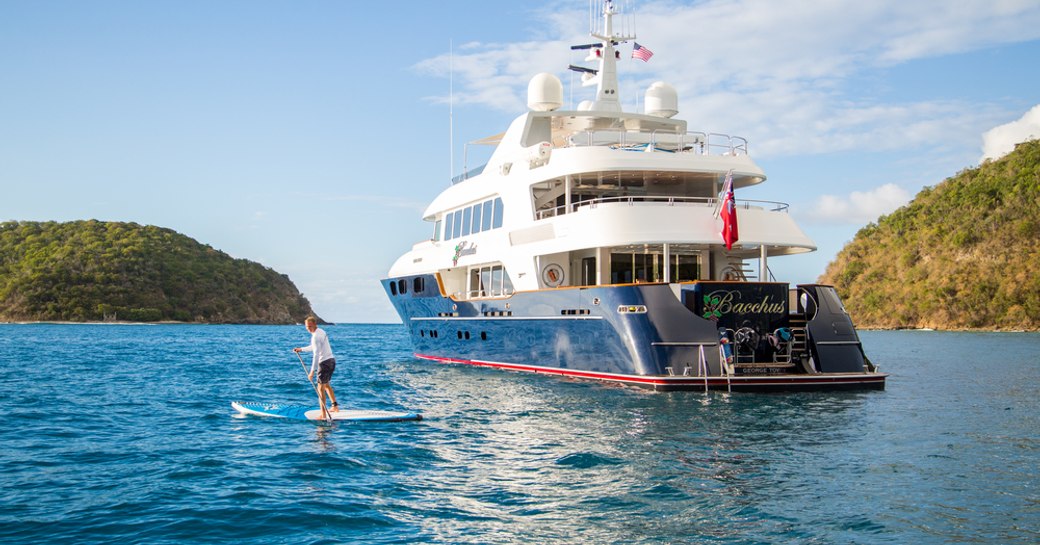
(999, 141)
(779, 72)
(859, 207)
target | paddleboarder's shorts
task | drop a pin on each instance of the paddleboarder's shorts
(325, 370)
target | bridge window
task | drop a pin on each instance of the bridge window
(497, 221)
(485, 221)
(474, 219)
(456, 229)
(467, 216)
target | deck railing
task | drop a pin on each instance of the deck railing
(700, 143)
(695, 142)
(745, 204)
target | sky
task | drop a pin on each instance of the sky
(310, 136)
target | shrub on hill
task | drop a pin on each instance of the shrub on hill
(964, 254)
(94, 270)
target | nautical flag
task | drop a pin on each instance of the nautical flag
(641, 53)
(729, 213)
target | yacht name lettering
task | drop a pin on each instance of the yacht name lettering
(461, 250)
(729, 304)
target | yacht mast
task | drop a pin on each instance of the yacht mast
(606, 80)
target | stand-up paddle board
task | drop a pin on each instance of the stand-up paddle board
(297, 412)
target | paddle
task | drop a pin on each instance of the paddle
(321, 398)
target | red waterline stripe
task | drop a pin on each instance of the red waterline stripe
(840, 379)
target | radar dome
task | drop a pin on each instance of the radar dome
(544, 93)
(661, 100)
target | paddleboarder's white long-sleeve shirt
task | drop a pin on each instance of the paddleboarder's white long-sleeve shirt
(320, 347)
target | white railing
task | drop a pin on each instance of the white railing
(745, 204)
(699, 143)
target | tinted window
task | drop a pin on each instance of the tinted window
(402, 286)
(393, 288)
(418, 284)
(447, 226)
(498, 213)
(476, 219)
(485, 217)
(456, 229)
(467, 215)
(507, 284)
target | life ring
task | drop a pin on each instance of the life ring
(552, 275)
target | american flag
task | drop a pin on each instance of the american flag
(641, 53)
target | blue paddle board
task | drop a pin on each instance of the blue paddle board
(297, 412)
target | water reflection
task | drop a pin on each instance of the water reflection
(527, 450)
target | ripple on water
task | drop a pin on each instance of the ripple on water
(138, 444)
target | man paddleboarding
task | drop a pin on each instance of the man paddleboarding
(323, 363)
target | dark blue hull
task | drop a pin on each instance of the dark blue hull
(641, 334)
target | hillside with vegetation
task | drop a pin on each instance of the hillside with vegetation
(964, 254)
(110, 271)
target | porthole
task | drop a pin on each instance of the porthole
(483, 335)
(460, 335)
(467, 335)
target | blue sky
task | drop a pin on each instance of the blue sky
(309, 136)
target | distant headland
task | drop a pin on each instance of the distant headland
(98, 271)
(964, 254)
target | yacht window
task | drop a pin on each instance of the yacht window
(437, 231)
(684, 268)
(588, 271)
(628, 268)
(485, 279)
(393, 287)
(634, 268)
(507, 284)
(456, 228)
(467, 216)
(418, 285)
(497, 222)
(474, 283)
(402, 286)
(476, 218)
(485, 218)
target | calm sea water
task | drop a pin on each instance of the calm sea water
(125, 434)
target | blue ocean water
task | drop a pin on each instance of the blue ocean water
(122, 433)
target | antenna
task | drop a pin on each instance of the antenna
(451, 109)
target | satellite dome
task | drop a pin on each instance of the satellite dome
(661, 100)
(544, 93)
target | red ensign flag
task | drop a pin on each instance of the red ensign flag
(729, 214)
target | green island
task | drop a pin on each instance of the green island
(964, 254)
(87, 271)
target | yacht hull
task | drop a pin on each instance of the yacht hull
(642, 335)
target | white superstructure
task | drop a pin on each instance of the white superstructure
(594, 182)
